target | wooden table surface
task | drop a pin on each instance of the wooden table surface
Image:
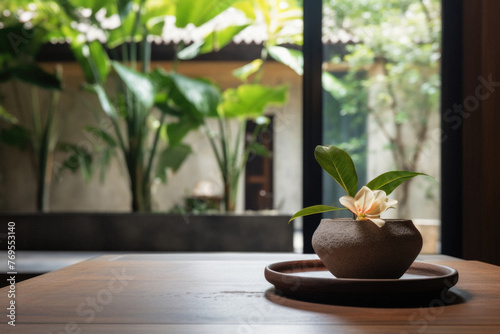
(227, 293)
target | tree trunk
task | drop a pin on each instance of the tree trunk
(141, 194)
(403, 202)
(136, 199)
(141, 200)
(44, 179)
(141, 197)
(229, 196)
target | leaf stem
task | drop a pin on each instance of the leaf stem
(37, 120)
(147, 175)
(146, 52)
(213, 145)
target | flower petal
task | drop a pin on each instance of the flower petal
(391, 203)
(377, 221)
(379, 195)
(364, 199)
(380, 204)
(348, 202)
(377, 208)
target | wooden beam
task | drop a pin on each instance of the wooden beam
(481, 137)
(451, 140)
(312, 115)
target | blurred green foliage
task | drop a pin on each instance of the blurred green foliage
(393, 73)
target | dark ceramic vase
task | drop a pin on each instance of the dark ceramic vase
(360, 249)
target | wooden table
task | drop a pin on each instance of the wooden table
(227, 293)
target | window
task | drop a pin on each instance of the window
(381, 96)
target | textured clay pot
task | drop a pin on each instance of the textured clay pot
(360, 249)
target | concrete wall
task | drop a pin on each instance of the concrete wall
(76, 110)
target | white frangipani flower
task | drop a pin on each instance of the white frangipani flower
(368, 204)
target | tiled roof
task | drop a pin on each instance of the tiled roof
(253, 34)
(339, 37)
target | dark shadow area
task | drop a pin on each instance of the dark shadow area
(19, 278)
(150, 232)
(430, 299)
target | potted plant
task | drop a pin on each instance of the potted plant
(364, 246)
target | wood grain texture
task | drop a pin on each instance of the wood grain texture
(227, 294)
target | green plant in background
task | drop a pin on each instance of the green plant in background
(367, 203)
(240, 104)
(251, 98)
(35, 129)
(144, 105)
(148, 106)
(399, 53)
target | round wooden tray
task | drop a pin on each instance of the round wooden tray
(310, 279)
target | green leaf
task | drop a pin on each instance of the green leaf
(154, 26)
(6, 116)
(126, 32)
(195, 97)
(200, 97)
(124, 8)
(154, 15)
(104, 161)
(106, 104)
(199, 12)
(16, 39)
(339, 165)
(259, 149)
(247, 8)
(15, 136)
(34, 75)
(92, 58)
(220, 38)
(171, 157)
(139, 84)
(162, 105)
(101, 135)
(251, 100)
(391, 180)
(333, 85)
(100, 58)
(212, 42)
(177, 131)
(79, 158)
(289, 57)
(311, 210)
(247, 70)
(190, 51)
